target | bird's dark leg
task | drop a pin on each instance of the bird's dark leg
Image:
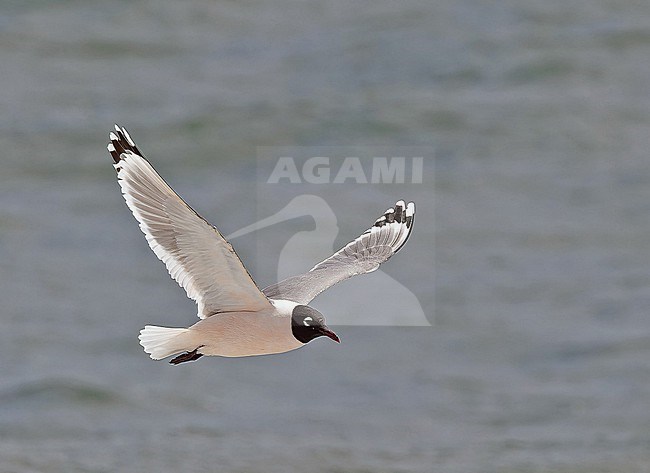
(188, 356)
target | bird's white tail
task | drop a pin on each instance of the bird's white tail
(161, 342)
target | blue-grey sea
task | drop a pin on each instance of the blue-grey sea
(530, 255)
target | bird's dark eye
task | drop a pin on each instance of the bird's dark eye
(307, 321)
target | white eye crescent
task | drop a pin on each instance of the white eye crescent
(306, 321)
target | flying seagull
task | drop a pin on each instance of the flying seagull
(236, 318)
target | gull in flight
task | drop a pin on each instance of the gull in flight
(236, 318)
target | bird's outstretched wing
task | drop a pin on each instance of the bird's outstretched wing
(363, 255)
(195, 253)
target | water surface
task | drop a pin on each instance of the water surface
(537, 280)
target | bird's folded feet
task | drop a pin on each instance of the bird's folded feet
(188, 356)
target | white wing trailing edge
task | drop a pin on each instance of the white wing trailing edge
(194, 252)
(363, 255)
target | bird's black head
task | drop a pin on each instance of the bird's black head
(307, 323)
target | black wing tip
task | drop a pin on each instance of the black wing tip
(121, 144)
(400, 213)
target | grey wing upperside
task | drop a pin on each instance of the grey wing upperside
(194, 252)
(363, 255)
